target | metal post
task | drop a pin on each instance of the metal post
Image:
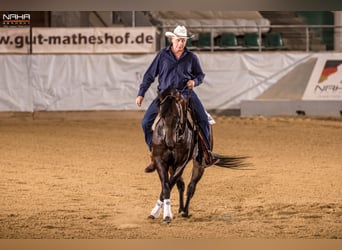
(260, 37)
(133, 18)
(162, 38)
(211, 40)
(31, 40)
(338, 31)
(307, 39)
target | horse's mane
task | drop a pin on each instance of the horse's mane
(165, 107)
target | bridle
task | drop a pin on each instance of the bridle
(182, 106)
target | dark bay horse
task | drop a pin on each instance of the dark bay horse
(175, 142)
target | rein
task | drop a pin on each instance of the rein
(164, 99)
(167, 96)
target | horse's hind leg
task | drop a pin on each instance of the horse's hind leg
(197, 173)
(181, 189)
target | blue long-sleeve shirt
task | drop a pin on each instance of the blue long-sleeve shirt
(172, 72)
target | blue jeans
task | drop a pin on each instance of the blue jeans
(199, 111)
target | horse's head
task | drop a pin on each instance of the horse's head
(173, 112)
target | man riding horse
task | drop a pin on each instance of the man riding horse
(176, 67)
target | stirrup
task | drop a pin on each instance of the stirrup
(212, 161)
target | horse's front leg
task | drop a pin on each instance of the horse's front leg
(177, 179)
(162, 169)
(158, 207)
(156, 211)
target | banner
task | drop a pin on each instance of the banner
(326, 79)
(78, 40)
(15, 40)
(65, 82)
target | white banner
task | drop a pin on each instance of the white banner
(79, 40)
(62, 82)
(326, 79)
(15, 40)
(15, 83)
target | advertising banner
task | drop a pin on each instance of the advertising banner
(78, 40)
(65, 82)
(326, 79)
(15, 40)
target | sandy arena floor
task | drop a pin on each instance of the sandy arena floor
(84, 179)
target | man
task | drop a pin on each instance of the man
(177, 67)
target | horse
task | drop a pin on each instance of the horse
(176, 140)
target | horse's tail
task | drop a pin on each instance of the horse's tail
(231, 161)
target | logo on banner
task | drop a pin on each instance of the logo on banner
(326, 80)
(16, 20)
(331, 77)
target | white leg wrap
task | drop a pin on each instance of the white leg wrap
(157, 209)
(167, 209)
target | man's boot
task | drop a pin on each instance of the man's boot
(208, 159)
(151, 167)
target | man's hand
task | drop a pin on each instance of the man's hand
(191, 84)
(139, 100)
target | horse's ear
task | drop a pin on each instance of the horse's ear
(173, 91)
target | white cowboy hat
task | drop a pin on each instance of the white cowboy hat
(179, 31)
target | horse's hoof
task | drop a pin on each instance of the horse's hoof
(167, 220)
(151, 217)
(186, 215)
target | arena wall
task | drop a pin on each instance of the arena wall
(79, 82)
